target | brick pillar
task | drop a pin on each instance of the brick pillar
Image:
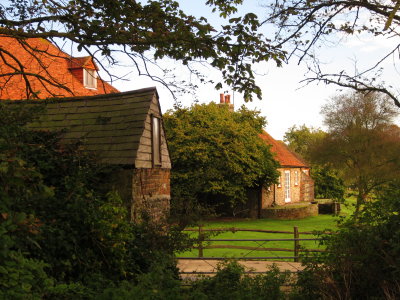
(151, 193)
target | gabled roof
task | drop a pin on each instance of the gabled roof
(82, 62)
(283, 154)
(110, 125)
(39, 57)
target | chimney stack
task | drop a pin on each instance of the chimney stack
(226, 99)
(221, 99)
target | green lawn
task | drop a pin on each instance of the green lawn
(318, 223)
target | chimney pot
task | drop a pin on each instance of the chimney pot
(221, 98)
(228, 99)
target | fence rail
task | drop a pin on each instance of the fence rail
(201, 239)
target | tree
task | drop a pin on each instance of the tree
(302, 139)
(361, 141)
(362, 260)
(327, 183)
(303, 26)
(145, 32)
(217, 154)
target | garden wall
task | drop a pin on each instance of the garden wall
(290, 212)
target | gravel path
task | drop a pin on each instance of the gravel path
(189, 267)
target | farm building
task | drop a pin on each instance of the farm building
(124, 130)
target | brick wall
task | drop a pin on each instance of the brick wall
(303, 191)
(150, 193)
(307, 188)
(267, 196)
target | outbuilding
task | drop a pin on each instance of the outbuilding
(124, 130)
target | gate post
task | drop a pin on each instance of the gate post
(201, 238)
(296, 243)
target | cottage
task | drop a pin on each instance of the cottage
(34, 68)
(124, 130)
(294, 184)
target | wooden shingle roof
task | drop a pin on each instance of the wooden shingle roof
(111, 124)
(283, 154)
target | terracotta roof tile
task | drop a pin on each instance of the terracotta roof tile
(41, 58)
(283, 155)
(82, 62)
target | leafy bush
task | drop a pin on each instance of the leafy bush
(231, 282)
(217, 155)
(327, 184)
(159, 283)
(363, 260)
(59, 225)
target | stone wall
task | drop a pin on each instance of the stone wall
(150, 193)
(289, 212)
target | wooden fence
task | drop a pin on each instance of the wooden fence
(204, 243)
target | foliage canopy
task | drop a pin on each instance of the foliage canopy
(327, 183)
(217, 154)
(145, 32)
(361, 141)
(301, 139)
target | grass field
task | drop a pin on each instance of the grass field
(318, 223)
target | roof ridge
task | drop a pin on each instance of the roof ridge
(82, 98)
(284, 155)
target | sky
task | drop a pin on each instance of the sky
(286, 102)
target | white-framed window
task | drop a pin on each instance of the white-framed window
(287, 186)
(156, 140)
(296, 178)
(90, 78)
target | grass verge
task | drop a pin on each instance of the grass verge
(317, 223)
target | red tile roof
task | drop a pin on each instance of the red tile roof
(40, 57)
(283, 155)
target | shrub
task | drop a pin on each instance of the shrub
(231, 282)
(328, 185)
(58, 221)
(363, 260)
(217, 155)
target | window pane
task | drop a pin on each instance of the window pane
(287, 186)
(90, 78)
(156, 138)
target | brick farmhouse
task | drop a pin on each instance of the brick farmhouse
(294, 184)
